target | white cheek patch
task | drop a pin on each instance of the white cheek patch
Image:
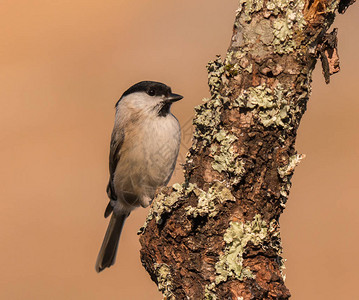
(139, 101)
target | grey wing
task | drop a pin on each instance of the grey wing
(117, 139)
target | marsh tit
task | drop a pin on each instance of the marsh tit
(144, 146)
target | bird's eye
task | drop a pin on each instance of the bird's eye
(151, 92)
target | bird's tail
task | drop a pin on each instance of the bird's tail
(107, 255)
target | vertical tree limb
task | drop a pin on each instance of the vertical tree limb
(216, 236)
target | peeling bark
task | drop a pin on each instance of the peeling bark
(216, 236)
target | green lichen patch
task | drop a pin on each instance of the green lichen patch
(286, 172)
(225, 158)
(208, 115)
(276, 6)
(249, 7)
(284, 192)
(166, 203)
(164, 280)
(272, 104)
(237, 237)
(206, 121)
(208, 201)
(215, 70)
(288, 25)
(231, 66)
(232, 70)
(281, 32)
(288, 169)
(210, 292)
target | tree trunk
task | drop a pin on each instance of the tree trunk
(216, 236)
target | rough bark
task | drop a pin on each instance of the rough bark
(216, 236)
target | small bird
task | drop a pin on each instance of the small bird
(144, 147)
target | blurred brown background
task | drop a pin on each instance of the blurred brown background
(65, 63)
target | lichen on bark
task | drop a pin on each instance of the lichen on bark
(237, 236)
(208, 201)
(163, 272)
(218, 232)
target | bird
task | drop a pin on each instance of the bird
(144, 146)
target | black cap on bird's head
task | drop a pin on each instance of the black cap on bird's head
(153, 89)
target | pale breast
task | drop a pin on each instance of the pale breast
(163, 140)
(148, 156)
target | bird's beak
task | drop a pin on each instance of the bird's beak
(173, 98)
